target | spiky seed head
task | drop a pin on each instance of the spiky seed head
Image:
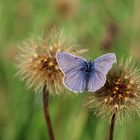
(67, 8)
(37, 62)
(120, 94)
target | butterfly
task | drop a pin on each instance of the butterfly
(82, 75)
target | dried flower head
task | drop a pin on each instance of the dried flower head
(120, 94)
(37, 63)
(110, 35)
(67, 8)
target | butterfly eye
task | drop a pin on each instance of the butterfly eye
(83, 69)
(86, 69)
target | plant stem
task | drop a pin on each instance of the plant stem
(111, 129)
(46, 112)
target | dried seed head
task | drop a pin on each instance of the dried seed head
(120, 94)
(37, 63)
(67, 8)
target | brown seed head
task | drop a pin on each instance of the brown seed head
(120, 94)
(37, 62)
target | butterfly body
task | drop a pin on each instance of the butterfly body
(86, 70)
(82, 75)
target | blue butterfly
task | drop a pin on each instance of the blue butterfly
(83, 75)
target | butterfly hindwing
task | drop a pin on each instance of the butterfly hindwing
(75, 80)
(96, 81)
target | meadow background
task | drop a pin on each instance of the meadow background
(90, 22)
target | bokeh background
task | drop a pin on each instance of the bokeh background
(99, 25)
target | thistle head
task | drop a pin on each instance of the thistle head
(37, 62)
(121, 92)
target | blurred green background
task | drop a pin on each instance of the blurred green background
(99, 25)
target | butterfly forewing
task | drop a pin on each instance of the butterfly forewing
(68, 62)
(104, 63)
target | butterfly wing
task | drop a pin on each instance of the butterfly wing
(70, 65)
(100, 68)
(68, 62)
(96, 81)
(75, 81)
(104, 63)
